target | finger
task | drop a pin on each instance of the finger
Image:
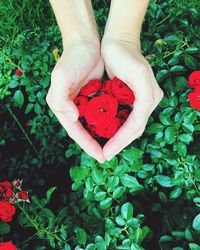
(62, 105)
(130, 130)
(79, 134)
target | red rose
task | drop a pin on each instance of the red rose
(81, 103)
(6, 184)
(194, 79)
(101, 110)
(7, 246)
(123, 116)
(6, 189)
(6, 211)
(91, 88)
(107, 87)
(194, 98)
(122, 92)
(23, 195)
(18, 72)
(110, 130)
(9, 193)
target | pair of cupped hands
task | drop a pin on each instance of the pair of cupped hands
(84, 60)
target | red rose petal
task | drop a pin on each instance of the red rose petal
(194, 98)
(122, 92)
(194, 79)
(81, 103)
(91, 88)
(101, 110)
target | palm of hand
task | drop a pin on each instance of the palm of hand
(126, 62)
(78, 64)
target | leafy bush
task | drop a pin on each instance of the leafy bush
(148, 197)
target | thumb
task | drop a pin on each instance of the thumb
(71, 111)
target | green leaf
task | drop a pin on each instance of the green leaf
(29, 107)
(113, 181)
(4, 228)
(164, 181)
(100, 196)
(130, 182)
(170, 134)
(81, 236)
(192, 50)
(49, 194)
(127, 211)
(191, 62)
(97, 176)
(106, 203)
(37, 108)
(186, 138)
(154, 128)
(194, 246)
(78, 173)
(19, 98)
(197, 174)
(177, 68)
(161, 75)
(118, 192)
(120, 221)
(196, 223)
(132, 154)
(181, 149)
(175, 193)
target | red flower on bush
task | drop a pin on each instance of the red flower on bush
(18, 72)
(194, 98)
(6, 189)
(17, 183)
(7, 246)
(122, 92)
(194, 79)
(91, 88)
(81, 103)
(6, 211)
(101, 110)
(23, 195)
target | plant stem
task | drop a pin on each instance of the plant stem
(22, 129)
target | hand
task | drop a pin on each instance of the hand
(124, 60)
(79, 63)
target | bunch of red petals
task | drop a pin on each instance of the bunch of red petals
(194, 97)
(104, 107)
(10, 193)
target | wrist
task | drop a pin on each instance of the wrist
(91, 41)
(125, 20)
(75, 19)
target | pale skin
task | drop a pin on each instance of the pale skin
(85, 57)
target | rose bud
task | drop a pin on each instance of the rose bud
(18, 72)
(17, 183)
(23, 195)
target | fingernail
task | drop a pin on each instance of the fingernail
(72, 117)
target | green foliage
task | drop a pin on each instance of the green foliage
(150, 193)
